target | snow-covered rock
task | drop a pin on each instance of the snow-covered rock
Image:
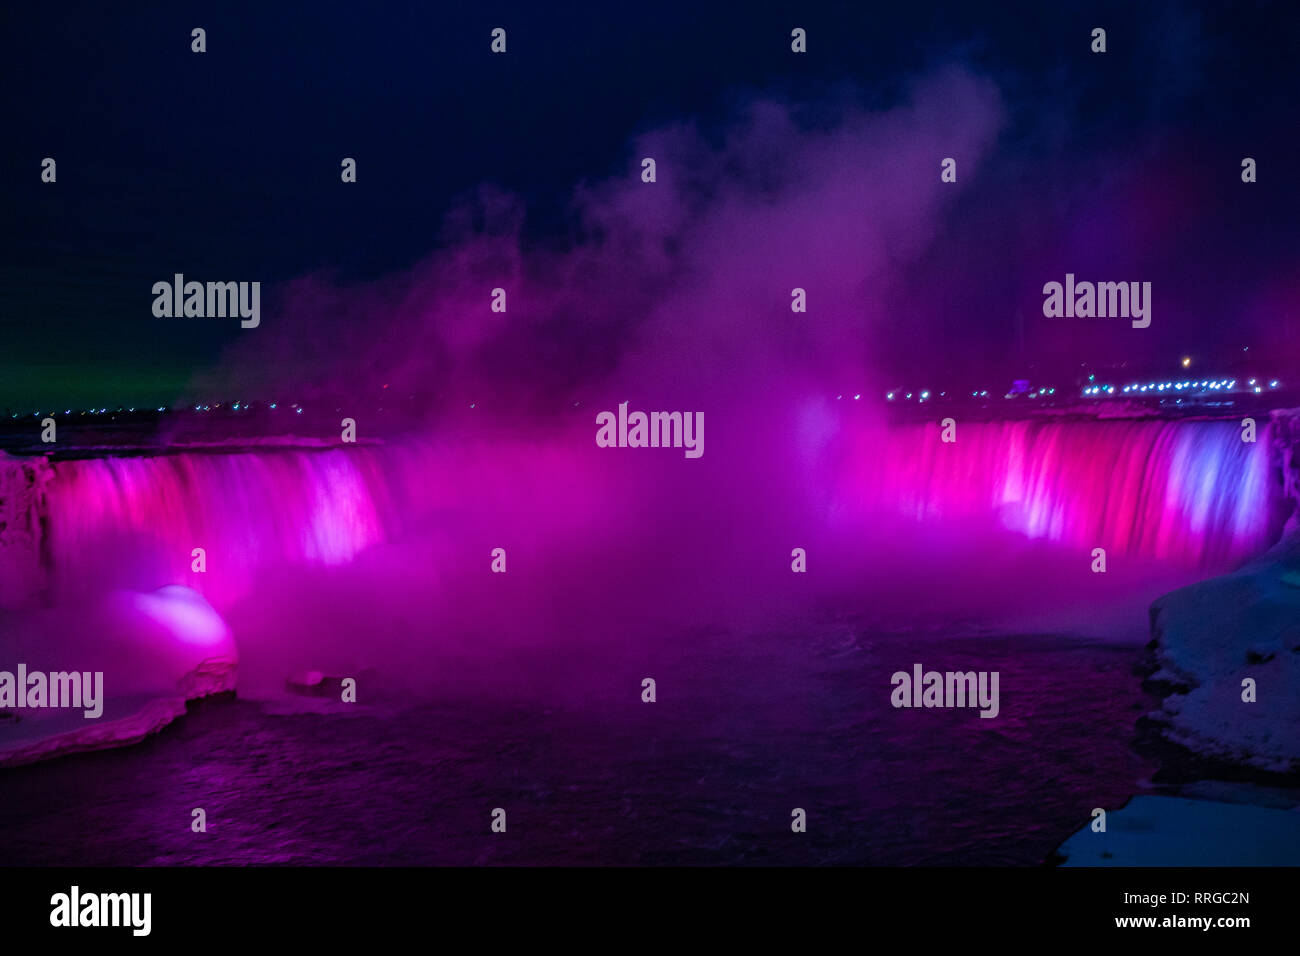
(156, 650)
(1214, 637)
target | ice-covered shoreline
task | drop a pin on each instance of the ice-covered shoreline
(1153, 830)
(1227, 659)
(1228, 648)
(156, 651)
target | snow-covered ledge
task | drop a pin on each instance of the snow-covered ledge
(1220, 643)
(156, 650)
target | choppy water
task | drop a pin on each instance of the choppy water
(742, 732)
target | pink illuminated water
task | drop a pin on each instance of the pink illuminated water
(69, 529)
(1188, 491)
(373, 560)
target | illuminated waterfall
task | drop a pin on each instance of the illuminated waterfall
(1187, 491)
(1190, 491)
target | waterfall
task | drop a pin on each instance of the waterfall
(22, 510)
(136, 521)
(1189, 491)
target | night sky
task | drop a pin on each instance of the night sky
(225, 165)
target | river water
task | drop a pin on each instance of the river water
(741, 734)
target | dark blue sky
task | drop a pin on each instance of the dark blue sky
(226, 165)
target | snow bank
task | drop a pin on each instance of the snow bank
(156, 650)
(1213, 637)
(125, 721)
